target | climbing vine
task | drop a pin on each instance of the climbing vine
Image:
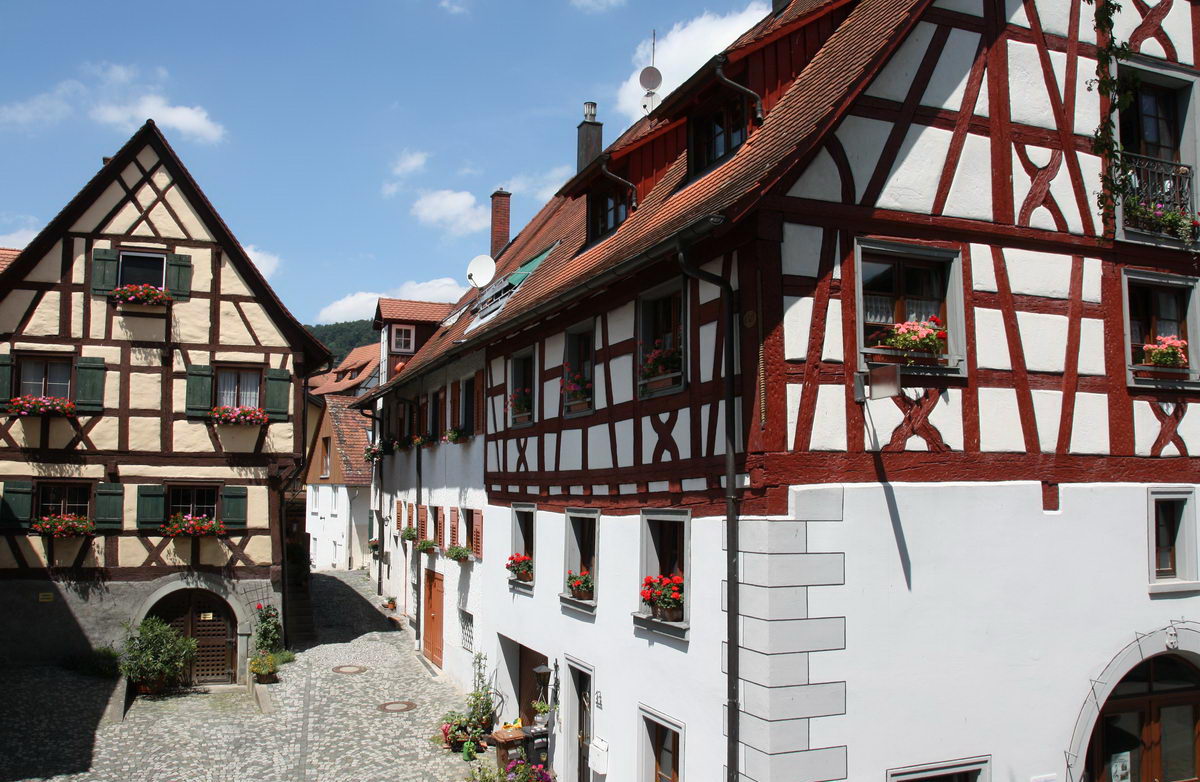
(1116, 181)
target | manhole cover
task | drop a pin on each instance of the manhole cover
(397, 706)
(349, 669)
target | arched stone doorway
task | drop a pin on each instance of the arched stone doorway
(204, 616)
(1148, 729)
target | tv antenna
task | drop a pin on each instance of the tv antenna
(650, 78)
(480, 270)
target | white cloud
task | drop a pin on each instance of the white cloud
(684, 48)
(19, 230)
(18, 238)
(469, 169)
(192, 121)
(452, 6)
(267, 263)
(541, 186)
(456, 211)
(594, 6)
(46, 108)
(407, 162)
(357, 306)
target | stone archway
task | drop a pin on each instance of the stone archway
(1178, 638)
(208, 620)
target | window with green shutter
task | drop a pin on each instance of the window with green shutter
(199, 391)
(89, 384)
(104, 271)
(151, 505)
(110, 506)
(16, 503)
(279, 390)
(179, 276)
(233, 507)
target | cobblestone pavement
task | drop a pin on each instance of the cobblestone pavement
(326, 725)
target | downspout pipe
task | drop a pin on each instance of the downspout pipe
(633, 204)
(758, 104)
(732, 575)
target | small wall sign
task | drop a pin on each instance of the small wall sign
(206, 616)
(45, 597)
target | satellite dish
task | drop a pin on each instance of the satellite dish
(480, 270)
(650, 78)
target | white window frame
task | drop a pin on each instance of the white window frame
(1187, 567)
(1163, 280)
(981, 765)
(534, 386)
(645, 751)
(648, 555)
(410, 332)
(571, 547)
(589, 327)
(518, 537)
(956, 333)
(145, 254)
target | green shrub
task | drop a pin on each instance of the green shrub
(284, 656)
(426, 545)
(408, 533)
(459, 553)
(268, 635)
(156, 652)
(103, 662)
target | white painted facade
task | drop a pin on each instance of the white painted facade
(338, 520)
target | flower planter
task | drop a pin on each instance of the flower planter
(266, 678)
(578, 406)
(520, 419)
(1151, 371)
(28, 406)
(661, 383)
(667, 613)
(137, 308)
(582, 594)
(909, 358)
(524, 576)
(152, 687)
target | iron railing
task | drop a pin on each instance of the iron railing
(1160, 196)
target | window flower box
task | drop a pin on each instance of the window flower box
(426, 546)
(238, 416)
(373, 545)
(576, 391)
(913, 342)
(1165, 359)
(520, 406)
(662, 368)
(460, 554)
(1152, 372)
(136, 296)
(453, 435)
(421, 440)
(521, 566)
(65, 525)
(30, 405)
(187, 525)
(887, 355)
(582, 585)
(373, 453)
(408, 534)
(664, 595)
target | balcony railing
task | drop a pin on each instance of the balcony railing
(1160, 199)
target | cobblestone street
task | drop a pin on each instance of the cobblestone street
(326, 725)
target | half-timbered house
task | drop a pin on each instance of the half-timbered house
(182, 397)
(987, 572)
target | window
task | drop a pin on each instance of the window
(717, 134)
(141, 269)
(325, 457)
(578, 363)
(522, 389)
(662, 749)
(45, 377)
(581, 544)
(473, 528)
(966, 770)
(1158, 307)
(1158, 162)
(606, 211)
(898, 284)
(439, 412)
(193, 501)
(238, 387)
(523, 533)
(1172, 537)
(435, 530)
(468, 405)
(1150, 124)
(467, 624)
(403, 339)
(63, 499)
(665, 553)
(661, 342)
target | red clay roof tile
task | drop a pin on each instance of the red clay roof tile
(413, 311)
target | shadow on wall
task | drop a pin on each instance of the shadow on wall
(48, 715)
(341, 613)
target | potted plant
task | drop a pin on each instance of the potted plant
(581, 584)
(268, 632)
(481, 701)
(660, 367)
(459, 553)
(664, 595)
(187, 525)
(914, 342)
(373, 545)
(541, 712)
(521, 566)
(1163, 218)
(453, 435)
(426, 546)
(521, 770)
(156, 655)
(29, 405)
(520, 405)
(391, 603)
(239, 415)
(373, 453)
(408, 533)
(1164, 359)
(140, 295)
(263, 666)
(576, 391)
(457, 730)
(64, 525)
(421, 440)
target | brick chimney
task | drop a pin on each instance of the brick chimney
(591, 135)
(500, 200)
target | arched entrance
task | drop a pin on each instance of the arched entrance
(1147, 730)
(200, 614)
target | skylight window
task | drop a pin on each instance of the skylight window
(492, 298)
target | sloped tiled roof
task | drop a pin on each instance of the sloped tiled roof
(7, 256)
(792, 129)
(413, 311)
(350, 429)
(361, 362)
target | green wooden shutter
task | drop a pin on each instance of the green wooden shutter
(104, 271)
(279, 389)
(199, 391)
(233, 507)
(179, 276)
(89, 384)
(6, 376)
(151, 505)
(16, 506)
(110, 506)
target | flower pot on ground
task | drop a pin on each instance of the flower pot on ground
(30, 405)
(143, 295)
(581, 585)
(239, 415)
(520, 566)
(155, 655)
(481, 701)
(187, 525)
(457, 729)
(65, 525)
(264, 667)
(459, 553)
(391, 604)
(664, 595)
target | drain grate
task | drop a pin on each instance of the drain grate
(349, 669)
(395, 707)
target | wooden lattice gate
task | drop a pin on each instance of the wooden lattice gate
(200, 614)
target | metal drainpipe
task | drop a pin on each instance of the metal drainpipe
(732, 577)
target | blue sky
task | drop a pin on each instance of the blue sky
(351, 147)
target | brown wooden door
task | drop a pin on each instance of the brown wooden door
(199, 614)
(583, 719)
(528, 690)
(432, 633)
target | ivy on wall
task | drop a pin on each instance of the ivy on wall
(1116, 181)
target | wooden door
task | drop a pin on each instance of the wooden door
(528, 690)
(432, 633)
(201, 615)
(583, 722)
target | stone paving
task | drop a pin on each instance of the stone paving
(326, 725)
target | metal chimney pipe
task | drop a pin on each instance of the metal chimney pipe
(591, 135)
